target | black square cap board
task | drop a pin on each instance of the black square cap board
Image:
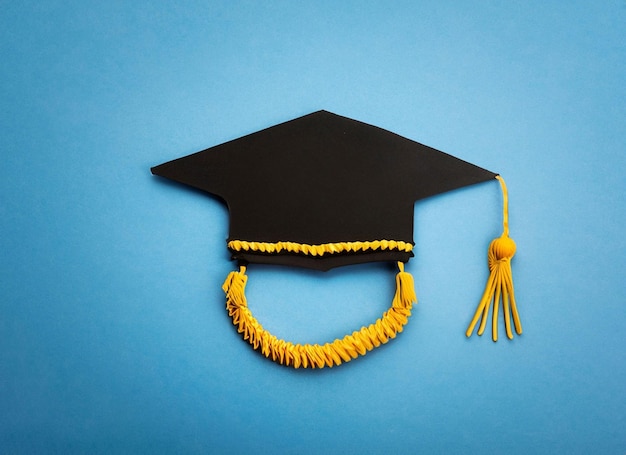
(323, 191)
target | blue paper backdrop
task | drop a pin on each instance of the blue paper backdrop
(113, 334)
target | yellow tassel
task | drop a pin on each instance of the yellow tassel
(500, 283)
(405, 289)
(314, 355)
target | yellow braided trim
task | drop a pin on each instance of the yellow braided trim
(314, 355)
(320, 249)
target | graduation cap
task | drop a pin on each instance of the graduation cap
(323, 191)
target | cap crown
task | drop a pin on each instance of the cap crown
(322, 179)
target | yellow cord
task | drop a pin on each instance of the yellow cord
(314, 355)
(500, 283)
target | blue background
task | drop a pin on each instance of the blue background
(113, 333)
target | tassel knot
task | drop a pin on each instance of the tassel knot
(502, 248)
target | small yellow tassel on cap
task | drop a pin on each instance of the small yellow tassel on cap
(405, 289)
(500, 283)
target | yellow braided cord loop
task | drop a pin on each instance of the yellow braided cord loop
(314, 355)
(500, 283)
(321, 249)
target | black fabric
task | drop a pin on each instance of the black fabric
(322, 178)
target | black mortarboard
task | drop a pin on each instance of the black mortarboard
(323, 191)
